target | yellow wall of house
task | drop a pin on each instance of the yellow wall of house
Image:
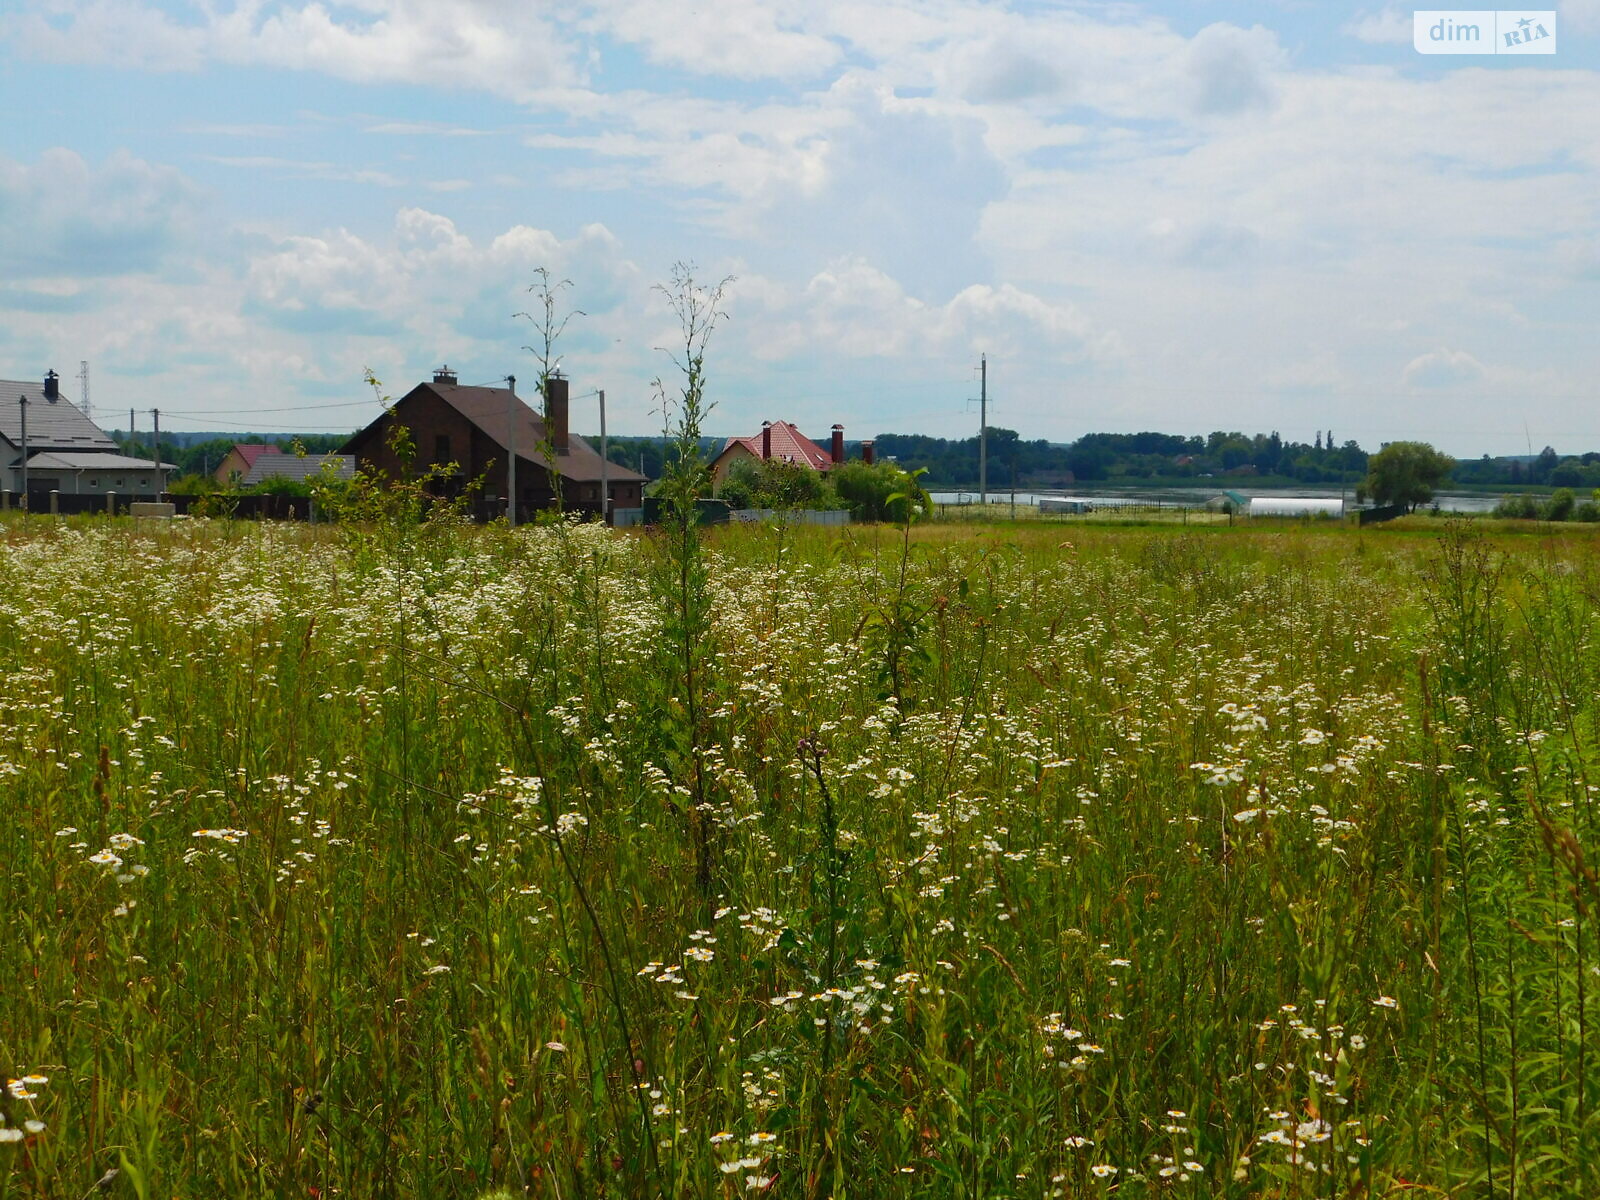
(723, 463)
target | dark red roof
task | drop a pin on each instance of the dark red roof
(788, 445)
(250, 451)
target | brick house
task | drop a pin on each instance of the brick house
(470, 428)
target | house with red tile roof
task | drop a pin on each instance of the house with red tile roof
(781, 441)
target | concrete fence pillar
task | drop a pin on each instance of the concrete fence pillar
(5, 500)
(55, 502)
(111, 503)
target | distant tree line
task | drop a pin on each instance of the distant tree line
(1134, 457)
(649, 455)
(1548, 469)
(1166, 457)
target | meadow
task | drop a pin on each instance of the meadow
(431, 861)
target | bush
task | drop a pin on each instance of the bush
(1587, 511)
(193, 485)
(1518, 508)
(277, 485)
(866, 490)
(752, 483)
(1560, 505)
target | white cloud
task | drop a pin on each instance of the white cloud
(506, 48)
(332, 172)
(732, 38)
(64, 215)
(1578, 16)
(1443, 368)
(1006, 69)
(427, 284)
(1387, 26)
(855, 310)
(1228, 69)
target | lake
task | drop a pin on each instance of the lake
(1197, 497)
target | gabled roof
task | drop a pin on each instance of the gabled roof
(52, 424)
(788, 445)
(487, 408)
(297, 467)
(250, 451)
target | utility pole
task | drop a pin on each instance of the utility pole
(133, 438)
(605, 466)
(161, 475)
(983, 430)
(511, 450)
(22, 402)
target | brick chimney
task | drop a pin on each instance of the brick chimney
(766, 440)
(837, 449)
(444, 376)
(52, 387)
(555, 412)
(867, 453)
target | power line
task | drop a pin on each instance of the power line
(208, 423)
(293, 408)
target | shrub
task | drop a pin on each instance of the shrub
(773, 483)
(1519, 508)
(1560, 505)
(866, 490)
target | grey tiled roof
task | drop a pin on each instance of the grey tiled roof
(295, 466)
(51, 426)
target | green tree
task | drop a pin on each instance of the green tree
(1406, 473)
(878, 492)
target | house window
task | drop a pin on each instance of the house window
(441, 447)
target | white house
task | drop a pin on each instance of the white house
(66, 451)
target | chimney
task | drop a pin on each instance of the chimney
(766, 440)
(838, 445)
(555, 412)
(52, 387)
(866, 453)
(444, 376)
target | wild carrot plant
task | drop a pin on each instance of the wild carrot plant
(440, 861)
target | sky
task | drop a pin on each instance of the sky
(1186, 216)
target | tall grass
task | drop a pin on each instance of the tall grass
(1219, 863)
